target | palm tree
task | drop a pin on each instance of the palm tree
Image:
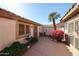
(52, 17)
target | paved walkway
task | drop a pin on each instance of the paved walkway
(46, 47)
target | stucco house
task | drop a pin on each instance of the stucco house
(60, 26)
(15, 28)
(51, 27)
(47, 28)
(71, 19)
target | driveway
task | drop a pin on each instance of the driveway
(46, 47)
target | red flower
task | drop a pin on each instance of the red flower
(58, 34)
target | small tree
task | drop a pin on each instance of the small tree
(52, 17)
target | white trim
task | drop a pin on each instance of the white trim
(73, 20)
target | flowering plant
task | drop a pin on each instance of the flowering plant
(58, 34)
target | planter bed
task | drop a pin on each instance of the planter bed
(17, 48)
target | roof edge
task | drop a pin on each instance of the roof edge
(66, 15)
(22, 18)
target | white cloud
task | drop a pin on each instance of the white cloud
(13, 7)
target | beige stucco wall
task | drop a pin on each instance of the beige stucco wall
(7, 32)
(22, 40)
(60, 28)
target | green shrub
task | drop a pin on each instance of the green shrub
(17, 47)
(34, 40)
(14, 49)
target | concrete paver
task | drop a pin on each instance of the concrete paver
(46, 47)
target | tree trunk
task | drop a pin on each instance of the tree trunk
(54, 24)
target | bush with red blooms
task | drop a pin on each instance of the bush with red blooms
(58, 35)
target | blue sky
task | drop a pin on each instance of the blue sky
(37, 12)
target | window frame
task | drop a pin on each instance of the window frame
(77, 27)
(17, 29)
(70, 27)
(20, 29)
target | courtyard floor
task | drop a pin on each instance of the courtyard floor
(46, 47)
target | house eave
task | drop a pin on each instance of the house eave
(12, 16)
(72, 12)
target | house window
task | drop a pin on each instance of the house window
(77, 43)
(27, 29)
(70, 28)
(21, 29)
(77, 27)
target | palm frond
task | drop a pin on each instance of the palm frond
(53, 15)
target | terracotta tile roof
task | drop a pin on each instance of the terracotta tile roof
(61, 24)
(7, 14)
